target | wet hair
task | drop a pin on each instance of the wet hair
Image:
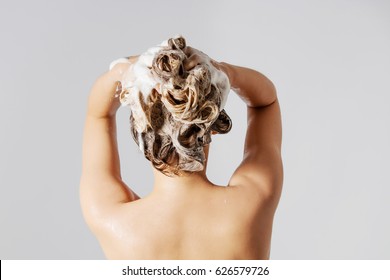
(174, 111)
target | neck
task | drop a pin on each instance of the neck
(164, 181)
(193, 180)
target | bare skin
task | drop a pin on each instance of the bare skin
(185, 217)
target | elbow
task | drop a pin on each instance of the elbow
(266, 95)
(270, 97)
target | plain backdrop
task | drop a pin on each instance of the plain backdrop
(330, 61)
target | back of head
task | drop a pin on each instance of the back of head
(174, 111)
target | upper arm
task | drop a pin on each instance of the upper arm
(261, 168)
(101, 186)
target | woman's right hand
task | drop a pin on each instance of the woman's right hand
(196, 57)
(254, 88)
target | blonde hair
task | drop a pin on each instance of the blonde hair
(173, 111)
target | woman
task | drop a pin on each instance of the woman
(186, 216)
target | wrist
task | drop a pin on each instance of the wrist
(103, 101)
(102, 106)
(101, 114)
(227, 69)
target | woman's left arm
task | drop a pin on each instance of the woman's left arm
(101, 185)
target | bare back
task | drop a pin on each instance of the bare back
(208, 222)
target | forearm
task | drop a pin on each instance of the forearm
(100, 150)
(255, 89)
(102, 102)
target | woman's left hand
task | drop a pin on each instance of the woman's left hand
(103, 99)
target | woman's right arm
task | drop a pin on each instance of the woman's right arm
(261, 167)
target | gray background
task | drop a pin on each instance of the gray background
(330, 61)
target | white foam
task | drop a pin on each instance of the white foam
(119, 60)
(139, 74)
(138, 79)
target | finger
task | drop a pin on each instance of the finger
(191, 62)
(188, 50)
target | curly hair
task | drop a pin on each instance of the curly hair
(174, 111)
